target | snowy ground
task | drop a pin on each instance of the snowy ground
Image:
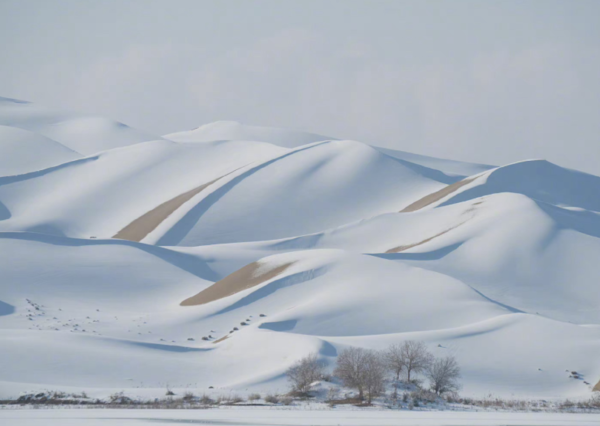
(281, 417)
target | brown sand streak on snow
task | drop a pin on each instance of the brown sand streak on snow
(436, 196)
(143, 225)
(247, 277)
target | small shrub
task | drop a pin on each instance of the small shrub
(272, 399)
(332, 393)
(235, 399)
(119, 398)
(452, 397)
(424, 395)
(347, 401)
(566, 404)
(594, 401)
(287, 401)
(207, 400)
(188, 396)
(253, 397)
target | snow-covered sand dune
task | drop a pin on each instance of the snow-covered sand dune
(257, 191)
(84, 134)
(22, 151)
(95, 301)
(219, 256)
(233, 130)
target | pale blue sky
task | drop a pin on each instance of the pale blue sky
(485, 81)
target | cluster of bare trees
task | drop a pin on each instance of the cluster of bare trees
(367, 370)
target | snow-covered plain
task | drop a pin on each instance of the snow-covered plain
(285, 417)
(108, 230)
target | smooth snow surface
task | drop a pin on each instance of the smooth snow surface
(105, 234)
(22, 151)
(232, 130)
(252, 417)
(453, 168)
(81, 133)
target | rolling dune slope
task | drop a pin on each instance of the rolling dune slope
(232, 130)
(22, 151)
(211, 260)
(84, 134)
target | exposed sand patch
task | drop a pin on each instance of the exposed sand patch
(436, 196)
(406, 247)
(221, 339)
(247, 277)
(597, 387)
(143, 225)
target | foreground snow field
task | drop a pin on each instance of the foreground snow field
(110, 238)
(245, 417)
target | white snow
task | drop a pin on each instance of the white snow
(233, 130)
(81, 133)
(22, 151)
(285, 417)
(501, 273)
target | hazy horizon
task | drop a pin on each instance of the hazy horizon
(490, 82)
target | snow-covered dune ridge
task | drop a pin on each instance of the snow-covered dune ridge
(317, 186)
(218, 257)
(83, 134)
(519, 251)
(233, 130)
(450, 167)
(22, 151)
(100, 195)
(537, 179)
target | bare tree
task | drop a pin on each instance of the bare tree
(395, 363)
(304, 372)
(361, 369)
(374, 376)
(415, 356)
(443, 374)
(349, 368)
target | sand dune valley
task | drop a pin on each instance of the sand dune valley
(211, 260)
